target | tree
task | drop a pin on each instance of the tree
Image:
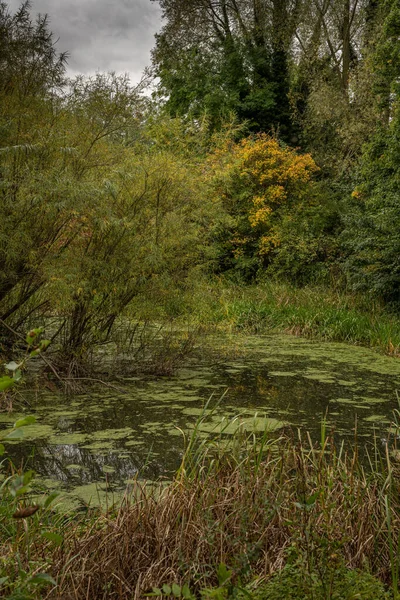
(31, 76)
(222, 56)
(276, 219)
(373, 220)
(29, 63)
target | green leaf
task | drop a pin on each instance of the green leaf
(50, 498)
(25, 421)
(176, 590)
(42, 578)
(32, 335)
(34, 353)
(223, 574)
(157, 592)
(5, 383)
(44, 344)
(15, 434)
(20, 491)
(186, 593)
(27, 477)
(17, 375)
(166, 589)
(3, 580)
(53, 537)
(2, 449)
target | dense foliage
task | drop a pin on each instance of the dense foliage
(277, 218)
(270, 149)
(267, 159)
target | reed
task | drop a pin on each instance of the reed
(312, 311)
(256, 506)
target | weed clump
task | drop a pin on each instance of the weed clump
(280, 512)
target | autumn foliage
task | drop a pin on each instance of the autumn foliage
(261, 183)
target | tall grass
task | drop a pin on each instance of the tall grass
(266, 516)
(255, 507)
(310, 311)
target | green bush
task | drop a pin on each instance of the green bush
(295, 583)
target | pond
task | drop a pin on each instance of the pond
(99, 441)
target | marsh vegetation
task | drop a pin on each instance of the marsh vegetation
(234, 234)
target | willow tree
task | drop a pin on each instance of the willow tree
(31, 78)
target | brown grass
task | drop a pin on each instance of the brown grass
(245, 508)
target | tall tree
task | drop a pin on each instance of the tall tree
(373, 225)
(221, 56)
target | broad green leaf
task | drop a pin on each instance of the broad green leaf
(223, 574)
(186, 593)
(166, 589)
(15, 434)
(25, 421)
(157, 592)
(5, 383)
(17, 375)
(3, 580)
(2, 449)
(176, 590)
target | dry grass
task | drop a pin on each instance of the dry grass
(247, 508)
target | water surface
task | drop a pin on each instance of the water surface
(104, 439)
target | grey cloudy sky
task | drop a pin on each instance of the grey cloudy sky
(102, 35)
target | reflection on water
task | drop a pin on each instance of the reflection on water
(109, 438)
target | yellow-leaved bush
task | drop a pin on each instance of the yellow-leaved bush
(267, 189)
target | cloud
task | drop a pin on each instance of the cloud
(102, 35)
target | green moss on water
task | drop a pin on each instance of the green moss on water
(69, 438)
(195, 411)
(377, 419)
(369, 400)
(112, 434)
(279, 378)
(321, 378)
(38, 431)
(99, 446)
(283, 373)
(134, 443)
(249, 424)
(92, 494)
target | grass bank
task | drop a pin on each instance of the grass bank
(310, 311)
(259, 518)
